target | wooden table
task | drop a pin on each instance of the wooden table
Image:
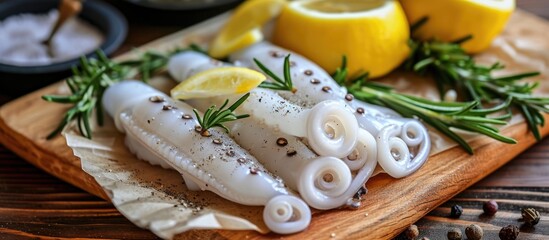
(35, 204)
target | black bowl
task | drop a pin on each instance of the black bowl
(170, 13)
(181, 5)
(16, 80)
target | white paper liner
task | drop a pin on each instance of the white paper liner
(157, 199)
(153, 197)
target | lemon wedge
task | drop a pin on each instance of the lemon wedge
(372, 34)
(244, 27)
(453, 19)
(224, 46)
(217, 82)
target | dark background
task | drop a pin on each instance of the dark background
(34, 204)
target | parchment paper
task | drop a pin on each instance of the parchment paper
(157, 199)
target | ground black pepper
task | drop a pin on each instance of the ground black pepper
(156, 99)
(281, 142)
(349, 97)
(291, 152)
(168, 107)
(326, 89)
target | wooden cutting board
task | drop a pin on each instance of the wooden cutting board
(390, 205)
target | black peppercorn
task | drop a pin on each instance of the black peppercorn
(254, 170)
(315, 81)
(530, 216)
(291, 152)
(281, 142)
(490, 208)
(510, 232)
(474, 232)
(156, 99)
(361, 191)
(456, 211)
(168, 107)
(454, 234)
(349, 97)
(412, 232)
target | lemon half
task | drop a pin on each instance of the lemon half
(244, 27)
(453, 19)
(372, 34)
(217, 82)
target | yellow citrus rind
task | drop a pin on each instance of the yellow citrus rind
(450, 20)
(218, 82)
(244, 27)
(374, 40)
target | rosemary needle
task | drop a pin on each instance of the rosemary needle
(279, 83)
(87, 86)
(444, 116)
(453, 69)
(216, 117)
(94, 76)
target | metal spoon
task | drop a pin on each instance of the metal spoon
(67, 9)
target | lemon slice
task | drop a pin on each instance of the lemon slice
(244, 27)
(217, 82)
(453, 19)
(372, 34)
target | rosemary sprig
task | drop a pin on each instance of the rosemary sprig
(452, 68)
(279, 83)
(216, 117)
(150, 63)
(444, 116)
(94, 76)
(87, 86)
(341, 72)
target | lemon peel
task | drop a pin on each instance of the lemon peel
(373, 37)
(217, 82)
(244, 27)
(450, 20)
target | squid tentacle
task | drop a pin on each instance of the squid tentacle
(328, 178)
(315, 85)
(330, 129)
(366, 153)
(394, 153)
(273, 110)
(286, 214)
(323, 182)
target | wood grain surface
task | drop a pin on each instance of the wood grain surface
(32, 203)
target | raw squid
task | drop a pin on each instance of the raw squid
(302, 169)
(329, 127)
(403, 144)
(163, 132)
(323, 182)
